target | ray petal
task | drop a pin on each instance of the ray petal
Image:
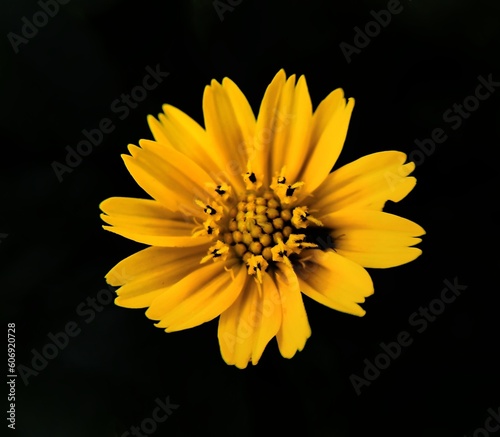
(368, 182)
(334, 281)
(373, 238)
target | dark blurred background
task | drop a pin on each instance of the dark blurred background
(63, 75)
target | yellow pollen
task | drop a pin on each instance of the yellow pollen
(280, 253)
(218, 251)
(301, 218)
(257, 264)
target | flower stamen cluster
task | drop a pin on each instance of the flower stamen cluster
(261, 226)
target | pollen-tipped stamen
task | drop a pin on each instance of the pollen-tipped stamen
(260, 228)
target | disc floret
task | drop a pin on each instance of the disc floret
(261, 227)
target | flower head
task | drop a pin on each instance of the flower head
(245, 216)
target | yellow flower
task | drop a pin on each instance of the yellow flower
(246, 216)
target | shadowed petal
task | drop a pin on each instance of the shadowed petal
(373, 238)
(334, 281)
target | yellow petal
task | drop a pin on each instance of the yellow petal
(373, 238)
(144, 275)
(334, 281)
(295, 329)
(176, 129)
(194, 290)
(136, 210)
(281, 127)
(324, 112)
(248, 325)
(270, 311)
(176, 234)
(265, 127)
(198, 298)
(299, 131)
(160, 133)
(366, 183)
(245, 118)
(168, 176)
(325, 152)
(147, 221)
(227, 138)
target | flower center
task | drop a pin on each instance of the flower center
(262, 226)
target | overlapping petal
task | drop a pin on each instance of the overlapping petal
(267, 123)
(283, 129)
(149, 222)
(168, 176)
(230, 126)
(334, 281)
(145, 275)
(291, 129)
(373, 238)
(248, 325)
(176, 129)
(329, 129)
(289, 135)
(198, 297)
(369, 182)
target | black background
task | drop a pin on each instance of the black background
(54, 253)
